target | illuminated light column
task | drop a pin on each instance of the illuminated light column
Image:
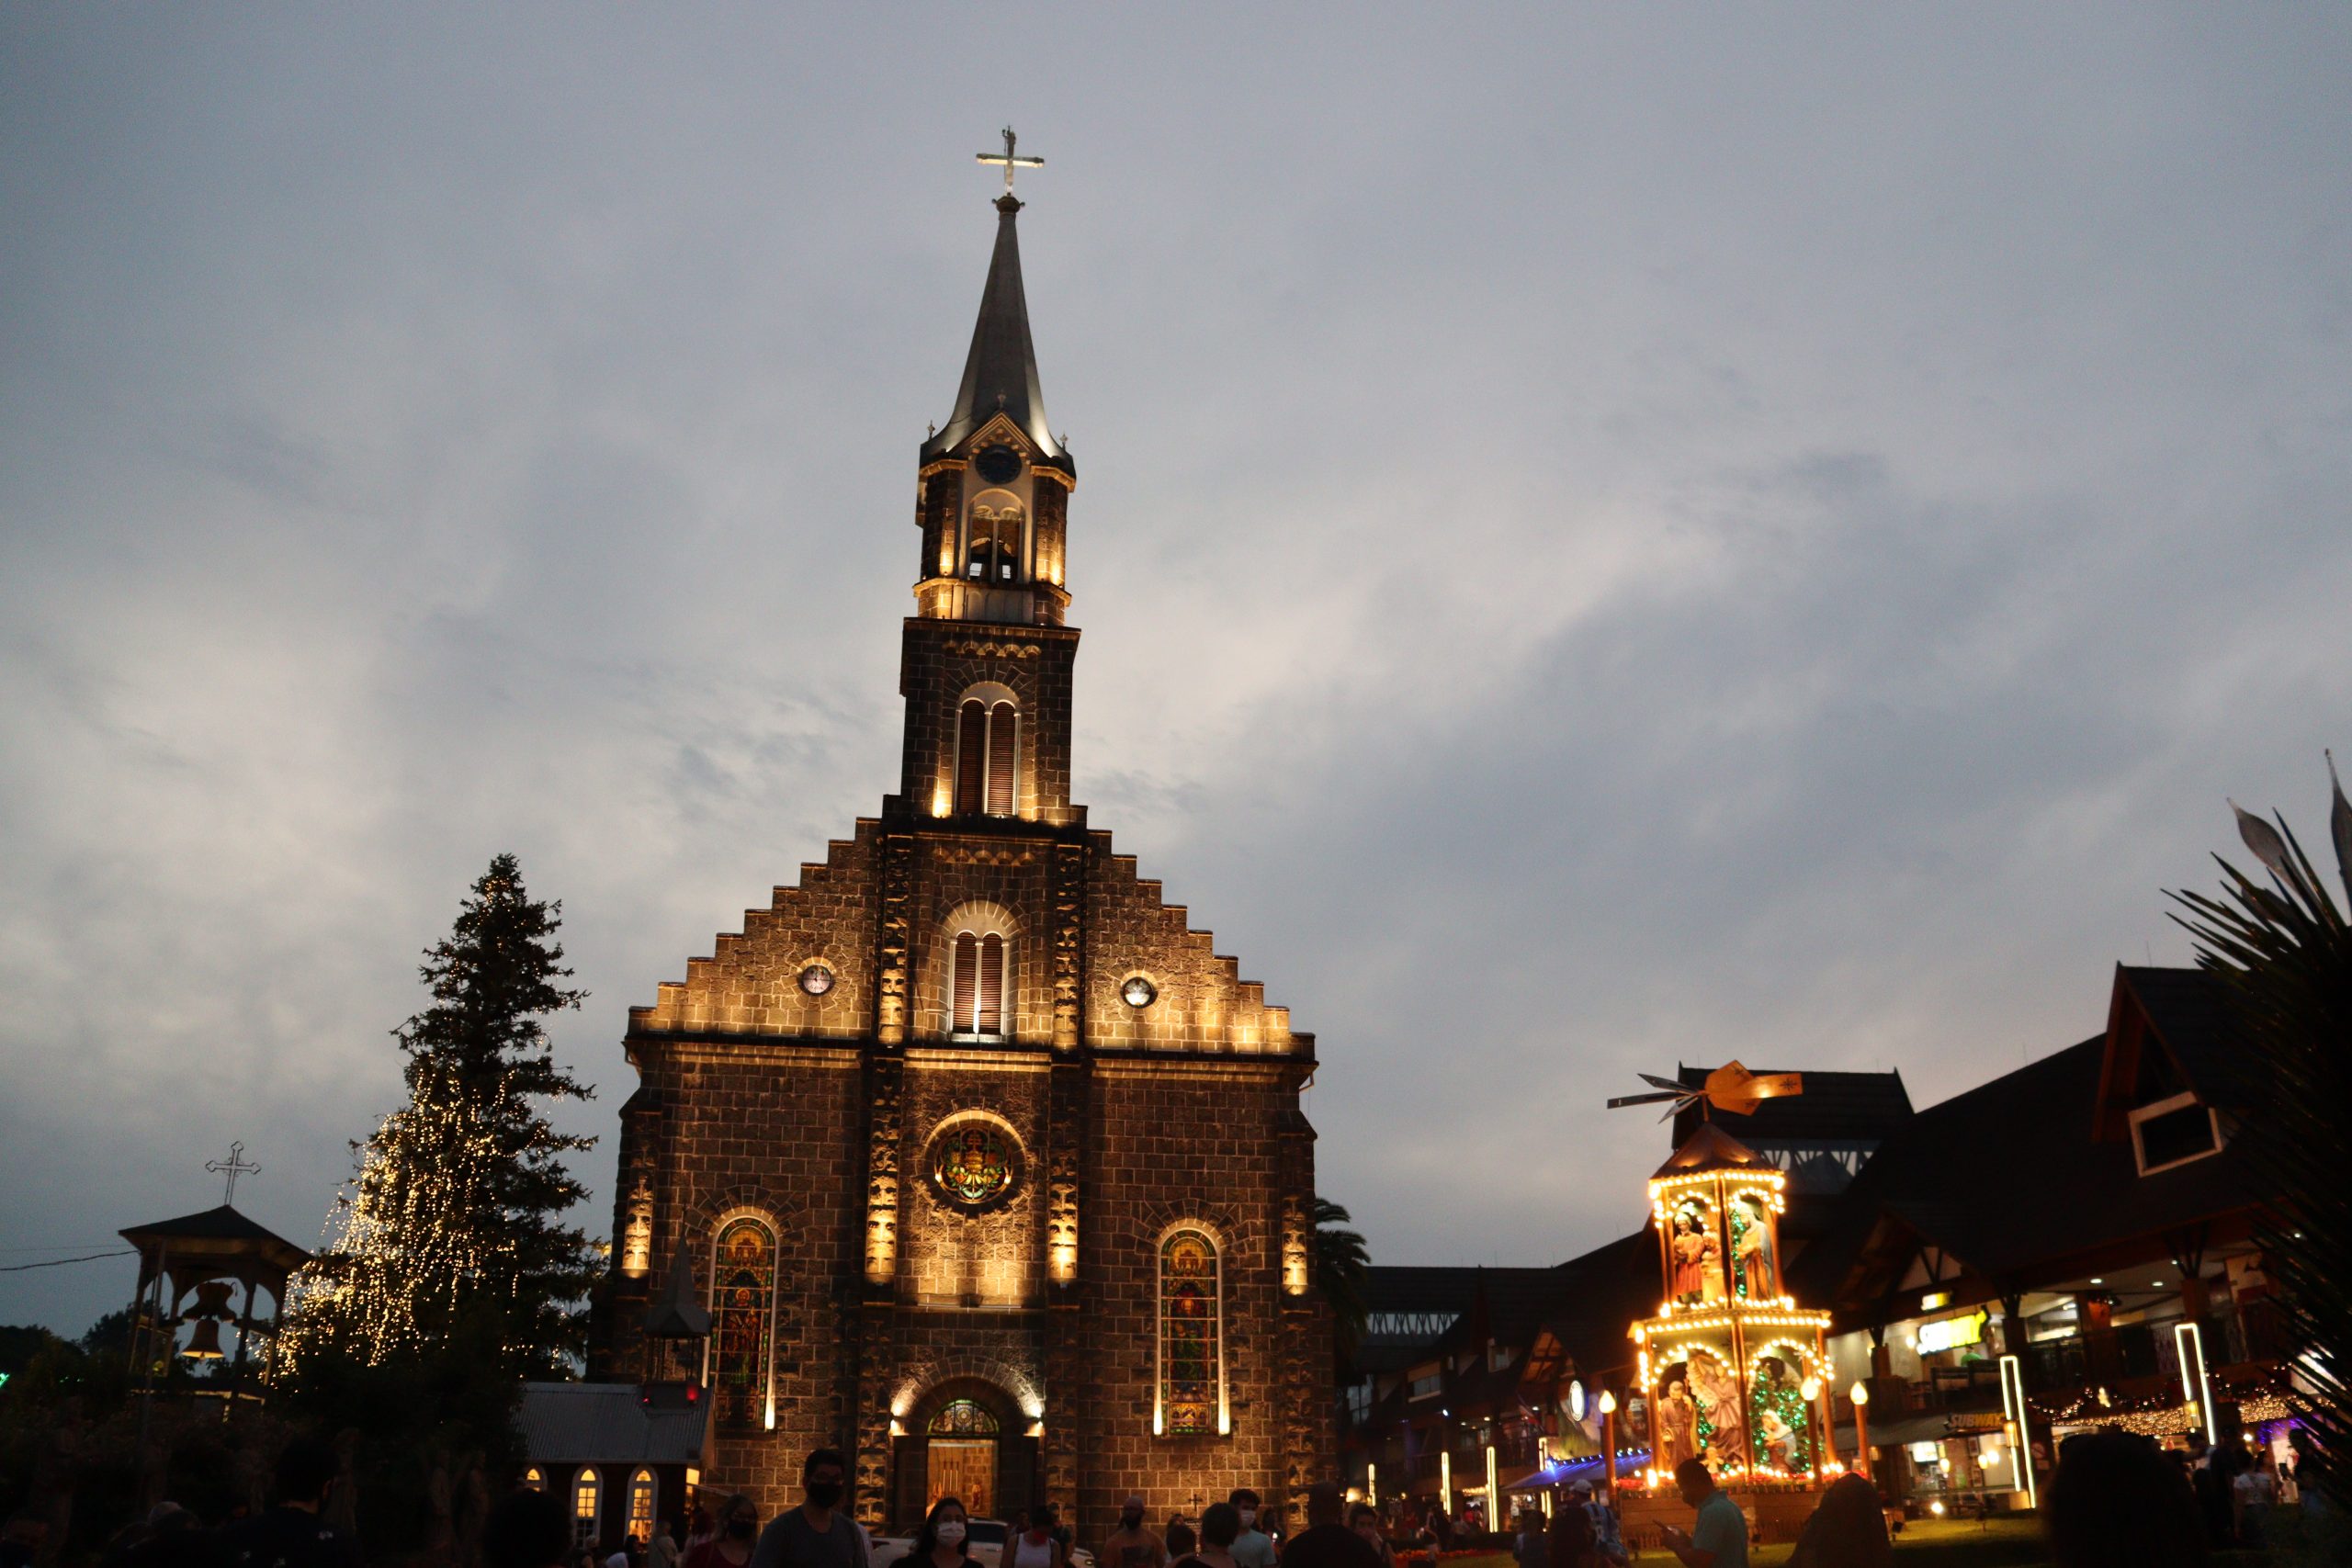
(1608, 1448)
(2195, 1387)
(1494, 1493)
(1861, 1395)
(2014, 1411)
(1810, 1389)
(1446, 1473)
(1372, 1483)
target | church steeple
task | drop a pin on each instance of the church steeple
(987, 661)
(1001, 370)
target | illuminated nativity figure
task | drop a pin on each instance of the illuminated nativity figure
(1737, 1373)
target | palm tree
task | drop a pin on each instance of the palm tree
(1342, 1274)
(2285, 953)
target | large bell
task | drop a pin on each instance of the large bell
(204, 1345)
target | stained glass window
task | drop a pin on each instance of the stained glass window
(742, 1309)
(962, 1418)
(973, 1164)
(1192, 1367)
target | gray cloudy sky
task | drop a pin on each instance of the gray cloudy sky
(1606, 538)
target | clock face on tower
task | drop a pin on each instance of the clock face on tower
(998, 465)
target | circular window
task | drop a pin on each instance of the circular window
(973, 1164)
(1138, 992)
(998, 465)
(816, 979)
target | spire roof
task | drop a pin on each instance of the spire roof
(1001, 371)
(677, 1313)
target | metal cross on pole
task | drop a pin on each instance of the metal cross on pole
(232, 1168)
(1008, 161)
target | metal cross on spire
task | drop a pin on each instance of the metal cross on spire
(231, 1167)
(1008, 161)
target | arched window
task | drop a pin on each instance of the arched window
(743, 1310)
(587, 1490)
(996, 541)
(987, 740)
(643, 1492)
(976, 1000)
(533, 1481)
(1192, 1338)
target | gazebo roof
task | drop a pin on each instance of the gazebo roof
(215, 1234)
(1710, 1148)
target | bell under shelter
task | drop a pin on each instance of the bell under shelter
(989, 1170)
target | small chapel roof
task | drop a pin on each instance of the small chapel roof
(219, 1231)
(1710, 1148)
(1001, 371)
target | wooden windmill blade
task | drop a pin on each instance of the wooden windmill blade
(1729, 1088)
(1734, 1089)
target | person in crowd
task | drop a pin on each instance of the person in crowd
(2115, 1502)
(1327, 1542)
(816, 1534)
(1253, 1547)
(526, 1529)
(21, 1540)
(1437, 1531)
(1847, 1528)
(1183, 1546)
(1718, 1535)
(292, 1534)
(1364, 1519)
(1220, 1528)
(1569, 1543)
(1038, 1546)
(1608, 1535)
(631, 1555)
(735, 1533)
(700, 1528)
(1133, 1546)
(1529, 1547)
(2251, 1496)
(664, 1552)
(944, 1541)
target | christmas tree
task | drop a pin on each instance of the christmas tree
(455, 1214)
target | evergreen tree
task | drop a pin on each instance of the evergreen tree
(2286, 953)
(454, 1219)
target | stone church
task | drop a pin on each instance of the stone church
(990, 1170)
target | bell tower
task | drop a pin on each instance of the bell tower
(987, 658)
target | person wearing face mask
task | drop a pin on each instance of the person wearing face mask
(1134, 1546)
(736, 1528)
(942, 1542)
(1038, 1547)
(816, 1534)
(1253, 1547)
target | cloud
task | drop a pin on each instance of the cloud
(1603, 540)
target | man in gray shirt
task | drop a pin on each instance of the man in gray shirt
(816, 1534)
(1253, 1547)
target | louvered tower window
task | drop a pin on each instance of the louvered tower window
(987, 751)
(976, 1003)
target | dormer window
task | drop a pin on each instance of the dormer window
(2174, 1131)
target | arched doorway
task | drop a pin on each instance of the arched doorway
(961, 1449)
(967, 1439)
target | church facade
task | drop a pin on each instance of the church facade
(991, 1171)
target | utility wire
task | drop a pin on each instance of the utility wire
(54, 1262)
